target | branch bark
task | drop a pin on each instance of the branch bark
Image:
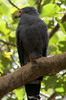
(42, 66)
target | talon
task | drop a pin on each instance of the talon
(32, 59)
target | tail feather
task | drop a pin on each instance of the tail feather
(33, 89)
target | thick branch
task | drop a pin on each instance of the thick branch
(55, 29)
(8, 43)
(29, 72)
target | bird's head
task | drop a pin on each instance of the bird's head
(27, 10)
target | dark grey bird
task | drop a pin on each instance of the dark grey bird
(32, 43)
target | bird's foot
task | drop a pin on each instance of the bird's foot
(32, 59)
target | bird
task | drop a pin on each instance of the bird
(32, 43)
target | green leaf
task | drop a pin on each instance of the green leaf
(48, 1)
(31, 2)
(64, 25)
(4, 61)
(62, 28)
(12, 34)
(50, 82)
(20, 93)
(3, 8)
(15, 20)
(62, 46)
(13, 27)
(54, 40)
(10, 98)
(50, 10)
(3, 28)
(59, 89)
(53, 45)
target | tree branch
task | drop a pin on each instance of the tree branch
(52, 97)
(44, 95)
(13, 4)
(8, 43)
(55, 29)
(39, 6)
(42, 66)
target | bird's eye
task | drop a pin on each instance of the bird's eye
(20, 11)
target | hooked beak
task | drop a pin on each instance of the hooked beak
(18, 14)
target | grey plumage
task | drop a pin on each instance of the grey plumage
(32, 37)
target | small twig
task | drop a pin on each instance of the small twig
(64, 74)
(52, 97)
(15, 62)
(55, 29)
(43, 4)
(39, 7)
(8, 43)
(45, 95)
(13, 4)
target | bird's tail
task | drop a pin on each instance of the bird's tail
(33, 89)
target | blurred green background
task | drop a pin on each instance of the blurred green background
(51, 11)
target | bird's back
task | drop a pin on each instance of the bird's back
(33, 33)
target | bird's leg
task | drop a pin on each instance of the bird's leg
(32, 59)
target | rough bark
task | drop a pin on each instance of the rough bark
(42, 66)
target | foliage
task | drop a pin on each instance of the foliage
(52, 12)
